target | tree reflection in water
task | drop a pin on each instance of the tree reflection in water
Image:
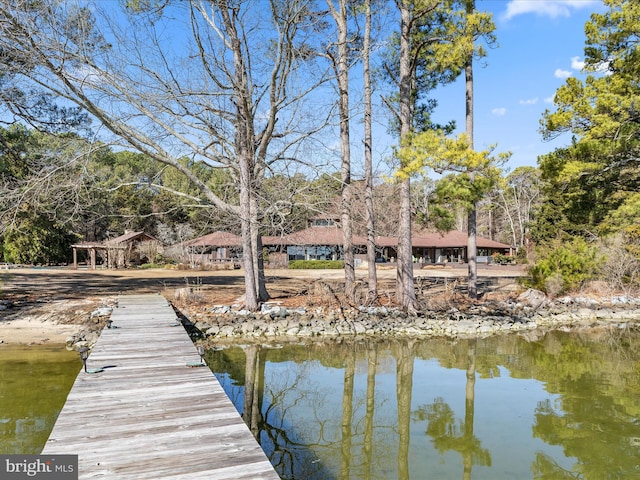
(557, 406)
(597, 416)
(347, 414)
(367, 448)
(403, 353)
(271, 426)
(457, 435)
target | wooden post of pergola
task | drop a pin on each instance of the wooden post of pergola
(91, 248)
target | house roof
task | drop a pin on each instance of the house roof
(216, 239)
(128, 237)
(486, 243)
(451, 239)
(116, 242)
(330, 235)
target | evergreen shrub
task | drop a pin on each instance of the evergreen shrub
(500, 259)
(315, 264)
(564, 267)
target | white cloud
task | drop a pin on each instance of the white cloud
(603, 67)
(576, 63)
(529, 101)
(559, 73)
(549, 99)
(501, 111)
(548, 8)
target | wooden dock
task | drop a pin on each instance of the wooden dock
(148, 415)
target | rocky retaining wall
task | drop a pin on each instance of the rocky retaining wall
(532, 310)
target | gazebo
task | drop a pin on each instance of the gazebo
(118, 251)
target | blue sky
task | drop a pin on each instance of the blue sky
(541, 43)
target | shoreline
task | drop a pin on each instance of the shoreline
(78, 323)
(53, 305)
(222, 327)
(57, 322)
(61, 307)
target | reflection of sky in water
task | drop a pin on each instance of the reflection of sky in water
(504, 415)
(505, 409)
(588, 423)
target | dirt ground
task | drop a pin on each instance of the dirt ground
(50, 304)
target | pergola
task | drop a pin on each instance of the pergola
(92, 248)
(114, 248)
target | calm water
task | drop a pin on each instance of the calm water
(564, 406)
(34, 384)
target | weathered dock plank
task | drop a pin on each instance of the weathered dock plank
(148, 415)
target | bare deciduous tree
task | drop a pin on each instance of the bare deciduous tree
(516, 199)
(212, 80)
(43, 173)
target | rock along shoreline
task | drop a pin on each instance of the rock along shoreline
(223, 325)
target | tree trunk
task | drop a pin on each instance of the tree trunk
(472, 250)
(258, 260)
(372, 295)
(245, 150)
(405, 290)
(261, 280)
(251, 294)
(342, 72)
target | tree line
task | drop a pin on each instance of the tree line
(183, 117)
(92, 193)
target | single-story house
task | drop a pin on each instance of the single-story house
(322, 242)
(441, 247)
(313, 243)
